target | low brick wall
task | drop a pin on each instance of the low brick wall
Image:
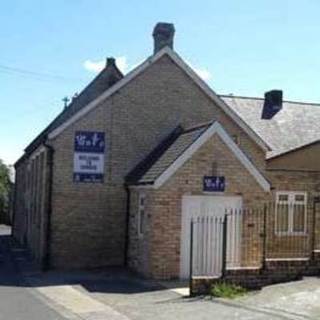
(287, 266)
(247, 278)
(275, 271)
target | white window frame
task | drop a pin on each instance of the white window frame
(291, 202)
(141, 207)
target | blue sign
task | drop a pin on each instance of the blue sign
(87, 177)
(88, 162)
(88, 141)
(213, 184)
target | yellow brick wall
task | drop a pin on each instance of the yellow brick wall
(165, 211)
(88, 220)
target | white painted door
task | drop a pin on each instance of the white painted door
(212, 208)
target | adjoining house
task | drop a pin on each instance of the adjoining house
(118, 177)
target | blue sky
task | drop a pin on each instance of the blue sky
(241, 47)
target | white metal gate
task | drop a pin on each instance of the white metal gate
(207, 213)
(207, 246)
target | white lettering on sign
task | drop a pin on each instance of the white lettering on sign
(214, 183)
(82, 140)
(88, 163)
(89, 151)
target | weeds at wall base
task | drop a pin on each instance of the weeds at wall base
(227, 290)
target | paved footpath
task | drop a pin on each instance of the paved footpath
(17, 301)
(28, 294)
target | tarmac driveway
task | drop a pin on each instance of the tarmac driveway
(144, 300)
(118, 295)
(298, 300)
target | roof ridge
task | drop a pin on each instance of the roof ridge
(259, 98)
(239, 97)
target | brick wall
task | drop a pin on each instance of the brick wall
(139, 246)
(88, 220)
(31, 203)
(165, 212)
(294, 246)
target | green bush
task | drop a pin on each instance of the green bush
(227, 290)
(5, 185)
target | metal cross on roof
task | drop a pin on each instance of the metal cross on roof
(65, 100)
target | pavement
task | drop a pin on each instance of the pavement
(115, 294)
(16, 300)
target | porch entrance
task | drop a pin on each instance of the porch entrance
(209, 212)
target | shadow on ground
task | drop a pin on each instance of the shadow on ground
(17, 268)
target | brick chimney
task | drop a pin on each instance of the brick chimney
(110, 62)
(112, 73)
(163, 36)
(272, 104)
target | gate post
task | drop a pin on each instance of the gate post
(191, 260)
(224, 244)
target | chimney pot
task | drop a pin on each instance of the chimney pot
(111, 61)
(272, 103)
(163, 34)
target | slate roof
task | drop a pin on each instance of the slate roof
(165, 154)
(296, 125)
(104, 80)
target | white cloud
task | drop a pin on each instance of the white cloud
(203, 73)
(122, 64)
(94, 66)
(97, 66)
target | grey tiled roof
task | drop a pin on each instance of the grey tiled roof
(174, 149)
(104, 80)
(296, 125)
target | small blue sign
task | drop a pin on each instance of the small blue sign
(213, 184)
(89, 141)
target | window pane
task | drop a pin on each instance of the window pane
(283, 197)
(141, 221)
(298, 218)
(282, 218)
(141, 201)
(299, 197)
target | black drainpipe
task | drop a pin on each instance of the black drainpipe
(126, 243)
(47, 254)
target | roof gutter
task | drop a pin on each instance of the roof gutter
(284, 153)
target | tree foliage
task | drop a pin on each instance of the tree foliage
(5, 186)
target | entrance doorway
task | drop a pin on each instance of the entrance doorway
(208, 213)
